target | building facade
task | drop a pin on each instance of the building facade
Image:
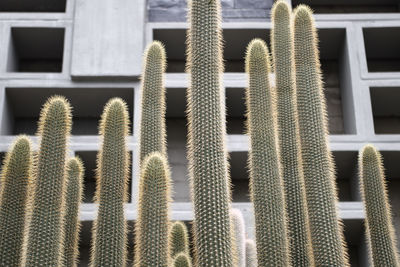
(91, 50)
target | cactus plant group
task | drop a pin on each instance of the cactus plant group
(292, 179)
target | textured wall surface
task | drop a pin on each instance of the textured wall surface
(232, 10)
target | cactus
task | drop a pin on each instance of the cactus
(207, 152)
(379, 227)
(15, 180)
(325, 225)
(73, 198)
(289, 142)
(238, 229)
(152, 224)
(182, 260)
(179, 240)
(43, 244)
(152, 125)
(251, 253)
(109, 229)
(266, 189)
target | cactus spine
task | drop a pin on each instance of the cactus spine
(73, 199)
(207, 153)
(325, 225)
(152, 226)
(152, 126)
(289, 142)
(109, 229)
(238, 229)
(251, 253)
(43, 244)
(379, 226)
(15, 180)
(182, 260)
(266, 189)
(179, 240)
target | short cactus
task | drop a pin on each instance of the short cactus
(73, 199)
(43, 244)
(289, 141)
(152, 125)
(109, 229)
(325, 226)
(251, 253)
(15, 180)
(207, 153)
(239, 233)
(182, 260)
(379, 226)
(152, 245)
(178, 239)
(266, 189)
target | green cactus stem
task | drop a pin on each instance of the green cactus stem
(207, 152)
(266, 189)
(43, 244)
(152, 226)
(15, 181)
(379, 226)
(152, 125)
(289, 141)
(73, 199)
(179, 240)
(109, 229)
(319, 176)
(182, 260)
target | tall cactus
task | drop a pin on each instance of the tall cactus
(109, 229)
(207, 152)
(73, 199)
(251, 253)
(379, 226)
(182, 260)
(289, 142)
(43, 244)
(178, 239)
(266, 189)
(152, 244)
(325, 226)
(239, 233)
(15, 180)
(152, 125)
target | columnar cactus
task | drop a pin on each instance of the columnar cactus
(251, 253)
(15, 180)
(379, 226)
(109, 229)
(182, 260)
(152, 244)
(178, 238)
(152, 125)
(239, 233)
(266, 189)
(288, 129)
(43, 244)
(207, 152)
(73, 199)
(325, 226)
